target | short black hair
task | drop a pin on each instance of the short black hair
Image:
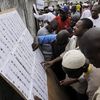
(87, 23)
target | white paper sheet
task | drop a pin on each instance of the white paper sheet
(19, 65)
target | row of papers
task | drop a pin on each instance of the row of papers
(19, 65)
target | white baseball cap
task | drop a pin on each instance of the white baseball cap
(73, 59)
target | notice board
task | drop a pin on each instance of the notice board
(19, 65)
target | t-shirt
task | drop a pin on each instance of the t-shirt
(62, 24)
(78, 7)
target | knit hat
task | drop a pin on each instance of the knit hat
(73, 59)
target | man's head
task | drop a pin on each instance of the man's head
(73, 63)
(90, 46)
(82, 26)
(63, 37)
(52, 26)
(95, 11)
(64, 13)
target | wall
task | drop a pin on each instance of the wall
(24, 8)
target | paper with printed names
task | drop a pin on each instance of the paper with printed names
(20, 66)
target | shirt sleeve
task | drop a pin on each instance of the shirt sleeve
(40, 17)
(46, 39)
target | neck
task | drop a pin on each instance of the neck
(96, 17)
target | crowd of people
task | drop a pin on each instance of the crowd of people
(70, 42)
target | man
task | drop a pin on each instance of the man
(78, 7)
(50, 28)
(90, 46)
(58, 43)
(74, 64)
(63, 19)
(95, 15)
(80, 28)
(86, 11)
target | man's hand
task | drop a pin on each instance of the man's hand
(35, 46)
(68, 81)
(47, 64)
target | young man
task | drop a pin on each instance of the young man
(90, 46)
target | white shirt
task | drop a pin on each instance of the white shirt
(86, 13)
(45, 17)
(96, 22)
(71, 45)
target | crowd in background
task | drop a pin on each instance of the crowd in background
(70, 42)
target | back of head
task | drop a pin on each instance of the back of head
(90, 45)
(63, 37)
(52, 26)
(87, 23)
